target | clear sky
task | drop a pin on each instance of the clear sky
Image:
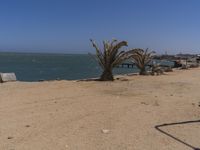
(67, 25)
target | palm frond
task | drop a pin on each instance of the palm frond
(117, 46)
(99, 54)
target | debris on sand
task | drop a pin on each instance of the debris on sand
(10, 137)
(105, 131)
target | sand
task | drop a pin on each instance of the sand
(119, 115)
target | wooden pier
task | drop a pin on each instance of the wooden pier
(132, 65)
(126, 65)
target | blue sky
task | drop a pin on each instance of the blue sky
(65, 26)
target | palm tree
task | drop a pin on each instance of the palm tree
(142, 58)
(110, 57)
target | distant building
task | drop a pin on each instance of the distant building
(198, 58)
(185, 56)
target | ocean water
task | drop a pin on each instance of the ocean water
(34, 67)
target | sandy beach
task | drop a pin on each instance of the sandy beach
(119, 115)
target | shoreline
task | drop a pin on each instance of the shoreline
(116, 77)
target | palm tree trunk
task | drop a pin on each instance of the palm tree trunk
(107, 75)
(143, 71)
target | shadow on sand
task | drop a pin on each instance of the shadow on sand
(158, 127)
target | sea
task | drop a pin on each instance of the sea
(39, 67)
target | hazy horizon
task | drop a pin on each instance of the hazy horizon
(59, 26)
